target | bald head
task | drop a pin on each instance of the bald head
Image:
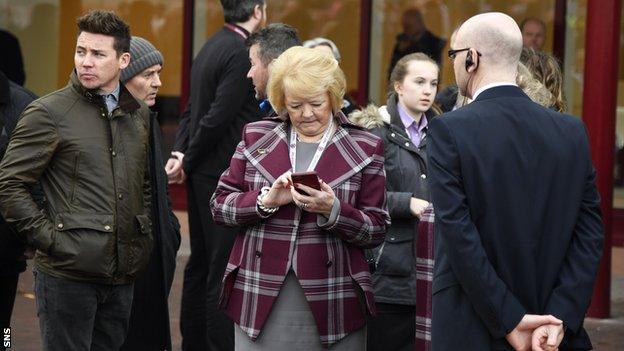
(496, 36)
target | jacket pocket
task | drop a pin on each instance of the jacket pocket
(141, 246)
(75, 177)
(396, 255)
(83, 242)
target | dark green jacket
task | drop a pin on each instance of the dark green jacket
(95, 225)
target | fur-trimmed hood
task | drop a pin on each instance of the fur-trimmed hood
(370, 117)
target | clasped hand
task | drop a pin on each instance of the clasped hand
(537, 333)
(283, 192)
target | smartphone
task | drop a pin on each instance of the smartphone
(306, 178)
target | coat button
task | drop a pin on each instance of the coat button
(119, 196)
(107, 227)
(114, 153)
(406, 144)
(423, 176)
(258, 254)
(392, 135)
(329, 263)
(392, 238)
(59, 226)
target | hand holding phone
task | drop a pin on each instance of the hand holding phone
(306, 178)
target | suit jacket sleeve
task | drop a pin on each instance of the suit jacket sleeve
(496, 305)
(33, 144)
(182, 135)
(364, 225)
(233, 88)
(572, 293)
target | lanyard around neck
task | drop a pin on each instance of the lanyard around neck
(319, 150)
(236, 30)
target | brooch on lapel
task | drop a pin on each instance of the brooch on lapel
(262, 151)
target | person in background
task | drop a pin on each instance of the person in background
(533, 33)
(221, 103)
(402, 125)
(149, 320)
(329, 47)
(11, 61)
(416, 38)
(519, 233)
(265, 46)
(87, 144)
(13, 100)
(546, 69)
(303, 253)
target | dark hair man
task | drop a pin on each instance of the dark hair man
(533, 33)
(87, 144)
(416, 38)
(265, 46)
(13, 100)
(518, 228)
(221, 103)
(149, 320)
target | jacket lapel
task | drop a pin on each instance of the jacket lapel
(343, 158)
(269, 154)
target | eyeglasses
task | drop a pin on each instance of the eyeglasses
(453, 53)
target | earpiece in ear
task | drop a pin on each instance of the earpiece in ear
(469, 61)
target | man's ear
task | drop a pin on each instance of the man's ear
(124, 60)
(258, 12)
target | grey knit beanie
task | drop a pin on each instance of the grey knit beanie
(142, 55)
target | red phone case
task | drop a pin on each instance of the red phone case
(306, 178)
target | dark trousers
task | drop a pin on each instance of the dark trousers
(149, 319)
(203, 326)
(394, 328)
(8, 288)
(75, 316)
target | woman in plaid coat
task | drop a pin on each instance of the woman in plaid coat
(297, 277)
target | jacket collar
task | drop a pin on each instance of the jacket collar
(397, 126)
(342, 158)
(502, 91)
(127, 103)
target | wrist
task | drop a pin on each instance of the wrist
(265, 206)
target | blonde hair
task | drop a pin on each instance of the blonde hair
(305, 73)
(533, 87)
(545, 68)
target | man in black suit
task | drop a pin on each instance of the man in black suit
(518, 227)
(13, 100)
(221, 103)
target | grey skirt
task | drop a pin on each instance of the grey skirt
(291, 326)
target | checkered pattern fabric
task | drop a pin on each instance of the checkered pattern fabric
(328, 261)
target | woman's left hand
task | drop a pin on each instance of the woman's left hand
(317, 201)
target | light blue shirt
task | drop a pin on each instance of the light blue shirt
(415, 130)
(112, 100)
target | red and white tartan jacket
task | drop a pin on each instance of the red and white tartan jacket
(328, 261)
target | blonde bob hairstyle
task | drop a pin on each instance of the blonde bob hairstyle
(305, 73)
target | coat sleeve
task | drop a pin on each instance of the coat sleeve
(233, 88)
(32, 146)
(182, 135)
(231, 205)
(571, 295)
(399, 204)
(365, 224)
(492, 300)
